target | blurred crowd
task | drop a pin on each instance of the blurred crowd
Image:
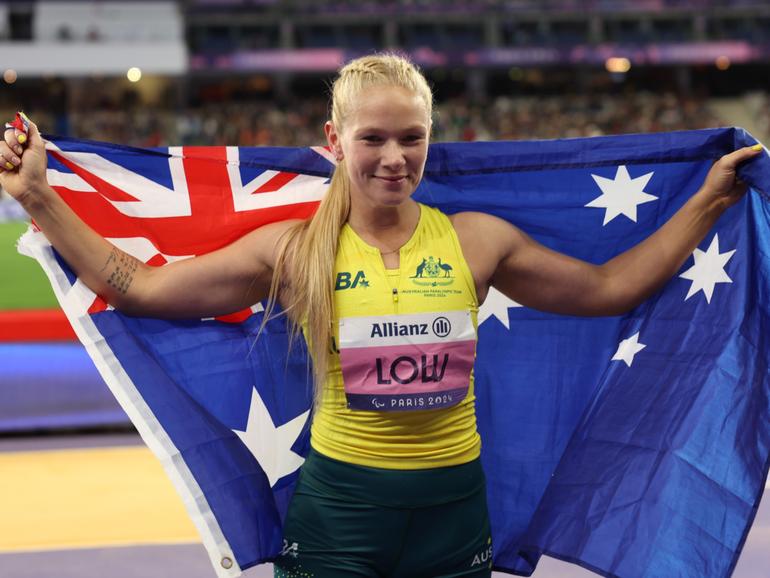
(300, 123)
(525, 118)
(432, 6)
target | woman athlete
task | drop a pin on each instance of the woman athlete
(393, 485)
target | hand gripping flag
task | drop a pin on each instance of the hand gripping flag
(635, 446)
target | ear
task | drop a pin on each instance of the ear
(333, 138)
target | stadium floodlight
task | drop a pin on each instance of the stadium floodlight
(134, 74)
(617, 64)
(722, 62)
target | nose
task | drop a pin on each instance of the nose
(392, 155)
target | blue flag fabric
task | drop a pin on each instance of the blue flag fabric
(635, 446)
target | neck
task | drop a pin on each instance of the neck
(384, 219)
(387, 228)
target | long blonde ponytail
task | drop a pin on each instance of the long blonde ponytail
(307, 254)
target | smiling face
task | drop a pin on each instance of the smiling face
(384, 144)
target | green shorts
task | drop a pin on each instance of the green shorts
(347, 520)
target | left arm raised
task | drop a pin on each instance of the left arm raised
(538, 277)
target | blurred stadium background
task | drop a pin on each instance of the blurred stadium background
(256, 72)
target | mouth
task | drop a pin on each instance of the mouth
(393, 179)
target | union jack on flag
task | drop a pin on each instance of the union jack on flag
(635, 446)
(148, 203)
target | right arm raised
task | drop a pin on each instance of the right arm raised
(224, 281)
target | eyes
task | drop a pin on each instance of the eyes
(407, 139)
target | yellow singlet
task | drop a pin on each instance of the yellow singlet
(399, 391)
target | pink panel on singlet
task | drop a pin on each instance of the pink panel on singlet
(398, 369)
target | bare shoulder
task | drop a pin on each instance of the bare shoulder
(481, 230)
(485, 241)
(470, 221)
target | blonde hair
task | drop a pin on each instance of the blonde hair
(309, 249)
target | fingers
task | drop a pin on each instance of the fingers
(33, 137)
(10, 150)
(741, 155)
(9, 160)
(11, 138)
(17, 133)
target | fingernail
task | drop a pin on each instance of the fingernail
(757, 147)
(22, 138)
(9, 166)
(19, 150)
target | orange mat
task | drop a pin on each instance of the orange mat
(87, 498)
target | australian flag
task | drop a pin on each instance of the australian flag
(636, 446)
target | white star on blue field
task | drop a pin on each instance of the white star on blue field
(627, 349)
(708, 270)
(271, 445)
(496, 305)
(621, 195)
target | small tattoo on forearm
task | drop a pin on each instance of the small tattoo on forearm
(111, 259)
(122, 274)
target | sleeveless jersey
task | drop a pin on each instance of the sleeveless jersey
(399, 390)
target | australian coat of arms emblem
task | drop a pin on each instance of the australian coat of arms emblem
(433, 272)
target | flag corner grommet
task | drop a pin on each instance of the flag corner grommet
(226, 563)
